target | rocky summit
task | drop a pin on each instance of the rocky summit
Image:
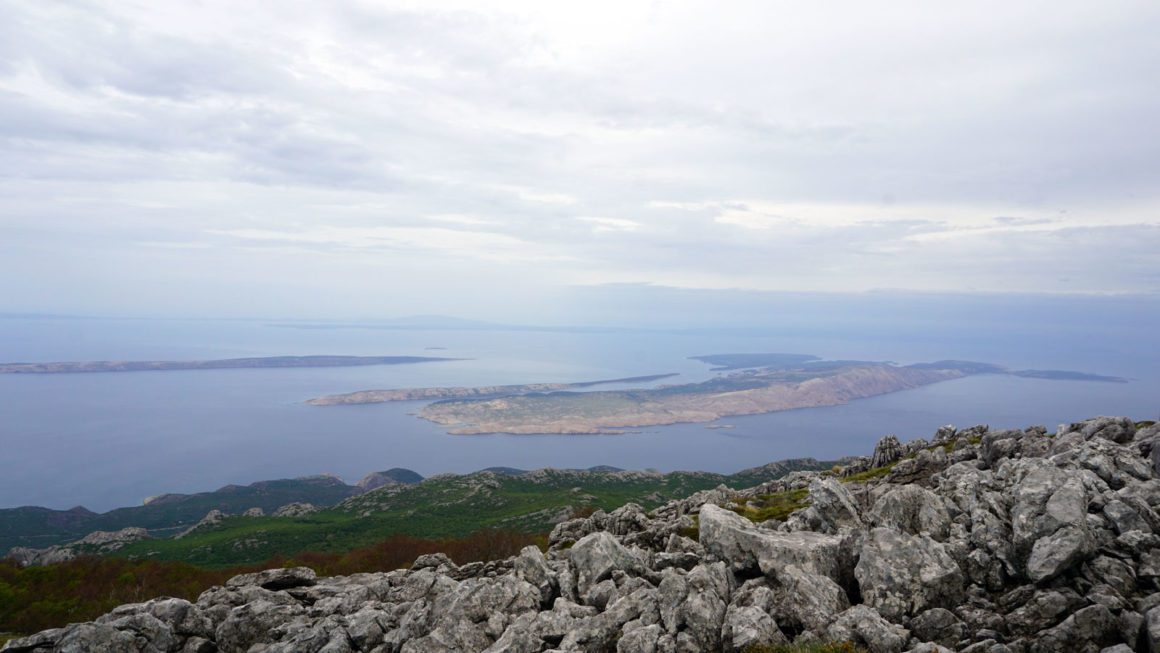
(978, 540)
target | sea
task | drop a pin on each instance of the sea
(114, 439)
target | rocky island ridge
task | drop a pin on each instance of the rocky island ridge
(755, 384)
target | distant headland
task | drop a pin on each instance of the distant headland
(223, 364)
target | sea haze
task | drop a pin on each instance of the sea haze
(112, 439)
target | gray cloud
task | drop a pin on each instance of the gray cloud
(774, 146)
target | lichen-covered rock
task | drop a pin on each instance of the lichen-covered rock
(1087, 631)
(863, 625)
(1120, 430)
(745, 547)
(749, 626)
(831, 509)
(938, 625)
(596, 556)
(912, 509)
(902, 575)
(1049, 521)
(275, 579)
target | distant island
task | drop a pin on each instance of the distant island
(725, 362)
(757, 383)
(224, 364)
(416, 394)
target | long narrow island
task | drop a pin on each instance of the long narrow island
(223, 364)
(477, 392)
(758, 383)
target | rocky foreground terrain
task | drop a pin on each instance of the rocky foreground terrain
(976, 541)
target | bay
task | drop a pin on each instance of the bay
(108, 440)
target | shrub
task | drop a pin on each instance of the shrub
(35, 598)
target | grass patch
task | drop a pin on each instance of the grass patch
(778, 505)
(1145, 423)
(694, 531)
(870, 474)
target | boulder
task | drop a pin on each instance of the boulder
(1120, 430)
(749, 626)
(902, 575)
(1049, 522)
(1152, 629)
(735, 539)
(938, 625)
(596, 556)
(863, 626)
(912, 509)
(831, 509)
(1087, 631)
(276, 579)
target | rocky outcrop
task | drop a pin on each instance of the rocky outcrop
(95, 543)
(976, 541)
(211, 519)
(295, 510)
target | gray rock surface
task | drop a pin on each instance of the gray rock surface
(978, 541)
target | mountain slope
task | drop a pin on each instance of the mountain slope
(978, 540)
(443, 506)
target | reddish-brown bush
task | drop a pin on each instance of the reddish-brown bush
(35, 598)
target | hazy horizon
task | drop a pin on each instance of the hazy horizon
(352, 161)
(629, 306)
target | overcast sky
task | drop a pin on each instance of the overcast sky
(376, 159)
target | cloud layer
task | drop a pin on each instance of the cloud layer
(361, 159)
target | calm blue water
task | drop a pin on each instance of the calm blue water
(107, 440)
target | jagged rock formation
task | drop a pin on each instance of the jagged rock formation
(982, 541)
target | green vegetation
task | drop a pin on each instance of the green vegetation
(166, 515)
(870, 474)
(778, 505)
(440, 507)
(446, 506)
(1143, 424)
(36, 598)
(693, 532)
